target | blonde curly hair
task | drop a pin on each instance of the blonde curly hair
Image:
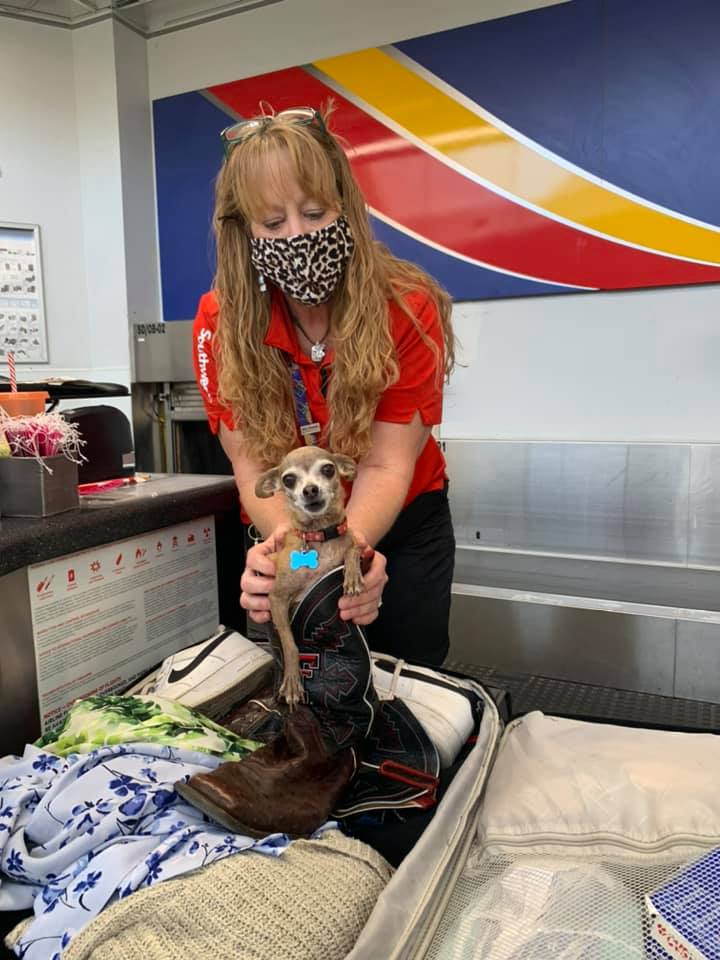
(253, 379)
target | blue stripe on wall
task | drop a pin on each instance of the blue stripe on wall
(464, 281)
(188, 155)
(626, 89)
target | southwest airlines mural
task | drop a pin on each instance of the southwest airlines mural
(570, 149)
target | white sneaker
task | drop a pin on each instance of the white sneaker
(447, 709)
(211, 676)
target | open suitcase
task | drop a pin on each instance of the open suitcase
(547, 843)
(547, 840)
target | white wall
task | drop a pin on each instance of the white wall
(298, 31)
(142, 269)
(635, 366)
(102, 200)
(59, 158)
(40, 181)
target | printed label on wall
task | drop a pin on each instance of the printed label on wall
(107, 615)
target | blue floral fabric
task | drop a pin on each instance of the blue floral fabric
(78, 832)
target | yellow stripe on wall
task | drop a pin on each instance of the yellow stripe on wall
(489, 152)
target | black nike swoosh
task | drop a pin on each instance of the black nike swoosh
(176, 675)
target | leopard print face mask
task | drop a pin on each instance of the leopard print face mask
(307, 267)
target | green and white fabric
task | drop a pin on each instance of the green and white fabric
(108, 720)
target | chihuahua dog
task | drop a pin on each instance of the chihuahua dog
(310, 478)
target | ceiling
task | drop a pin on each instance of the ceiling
(154, 17)
(149, 17)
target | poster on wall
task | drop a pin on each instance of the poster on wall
(502, 165)
(23, 330)
(106, 615)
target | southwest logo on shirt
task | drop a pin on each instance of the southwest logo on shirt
(203, 360)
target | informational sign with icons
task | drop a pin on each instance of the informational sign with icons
(23, 330)
(107, 615)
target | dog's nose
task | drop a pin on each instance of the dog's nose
(310, 491)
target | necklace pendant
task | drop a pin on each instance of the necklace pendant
(317, 352)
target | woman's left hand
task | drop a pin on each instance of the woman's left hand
(363, 608)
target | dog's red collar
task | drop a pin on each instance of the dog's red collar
(319, 536)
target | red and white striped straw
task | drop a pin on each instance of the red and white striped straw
(13, 373)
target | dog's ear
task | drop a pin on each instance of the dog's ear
(267, 483)
(346, 466)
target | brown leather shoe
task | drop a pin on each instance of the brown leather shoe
(288, 786)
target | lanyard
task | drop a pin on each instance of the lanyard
(309, 428)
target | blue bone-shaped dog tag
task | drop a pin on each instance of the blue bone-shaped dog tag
(307, 559)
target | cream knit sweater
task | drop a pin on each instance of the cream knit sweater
(308, 904)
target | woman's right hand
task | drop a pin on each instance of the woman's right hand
(258, 576)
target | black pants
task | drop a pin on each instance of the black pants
(420, 551)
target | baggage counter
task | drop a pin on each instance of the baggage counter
(115, 514)
(78, 589)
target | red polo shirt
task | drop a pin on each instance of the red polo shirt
(418, 387)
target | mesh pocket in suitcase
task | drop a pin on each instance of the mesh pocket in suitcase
(580, 821)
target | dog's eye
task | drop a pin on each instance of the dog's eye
(289, 480)
(327, 470)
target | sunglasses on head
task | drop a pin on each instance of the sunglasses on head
(304, 116)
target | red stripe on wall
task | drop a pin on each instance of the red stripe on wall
(426, 196)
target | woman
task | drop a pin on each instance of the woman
(316, 333)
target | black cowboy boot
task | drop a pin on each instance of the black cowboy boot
(335, 665)
(291, 784)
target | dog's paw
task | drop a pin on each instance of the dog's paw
(353, 583)
(291, 690)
